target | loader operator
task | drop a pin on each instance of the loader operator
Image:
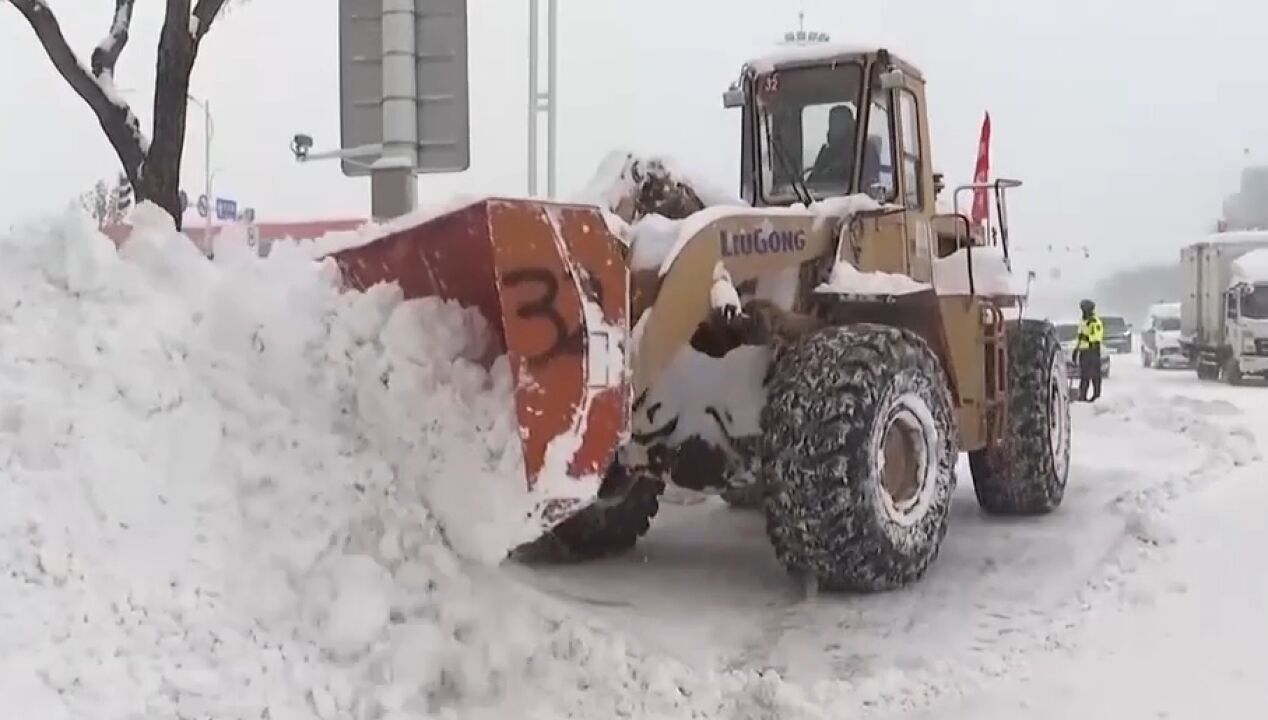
(1088, 351)
(834, 165)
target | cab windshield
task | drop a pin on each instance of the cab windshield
(809, 127)
(1255, 303)
(1167, 324)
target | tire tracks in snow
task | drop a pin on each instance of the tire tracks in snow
(1004, 631)
(1224, 446)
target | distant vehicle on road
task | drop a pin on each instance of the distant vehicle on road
(1224, 317)
(1118, 333)
(1160, 340)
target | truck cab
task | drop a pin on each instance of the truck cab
(1224, 320)
(1246, 327)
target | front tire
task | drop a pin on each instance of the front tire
(1026, 473)
(858, 451)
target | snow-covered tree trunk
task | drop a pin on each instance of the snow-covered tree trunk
(152, 166)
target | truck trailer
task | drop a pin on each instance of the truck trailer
(1224, 313)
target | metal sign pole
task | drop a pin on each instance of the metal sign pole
(404, 105)
(552, 73)
(533, 97)
(542, 102)
(207, 172)
(393, 183)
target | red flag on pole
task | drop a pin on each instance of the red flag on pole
(981, 173)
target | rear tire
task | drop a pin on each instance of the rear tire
(844, 405)
(1026, 473)
(1207, 371)
(605, 529)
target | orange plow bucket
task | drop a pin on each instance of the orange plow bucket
(553, 284)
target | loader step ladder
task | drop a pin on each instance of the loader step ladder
(995, 369)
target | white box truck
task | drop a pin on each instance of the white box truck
(1224, 313)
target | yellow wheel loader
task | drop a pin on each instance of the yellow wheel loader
(823, 352)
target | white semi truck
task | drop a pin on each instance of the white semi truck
(1224, 313)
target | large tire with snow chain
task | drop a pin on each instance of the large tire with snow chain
(1026, 473)
(858, 452)
(605, 529)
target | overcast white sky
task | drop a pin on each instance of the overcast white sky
(1126, 118)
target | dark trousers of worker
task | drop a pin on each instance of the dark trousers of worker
(1089, 373)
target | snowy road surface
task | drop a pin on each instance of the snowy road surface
(1185, 636)
(1127, 589)
(221, 496)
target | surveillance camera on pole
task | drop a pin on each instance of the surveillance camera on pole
(300, 145)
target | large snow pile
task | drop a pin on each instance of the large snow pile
(214, 491)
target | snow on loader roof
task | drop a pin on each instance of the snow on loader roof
(820, 54)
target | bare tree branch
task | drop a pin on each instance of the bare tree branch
(204, 13)
(153, 166)
(120, 125)
(107, 52)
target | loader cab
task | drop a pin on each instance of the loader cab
(829, 122)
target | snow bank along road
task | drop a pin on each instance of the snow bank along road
(217, 499)
(1184, 634)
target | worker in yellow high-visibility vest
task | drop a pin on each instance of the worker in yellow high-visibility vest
(1088, 351)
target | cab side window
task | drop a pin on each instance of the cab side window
(913, 192)
(878, 152)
